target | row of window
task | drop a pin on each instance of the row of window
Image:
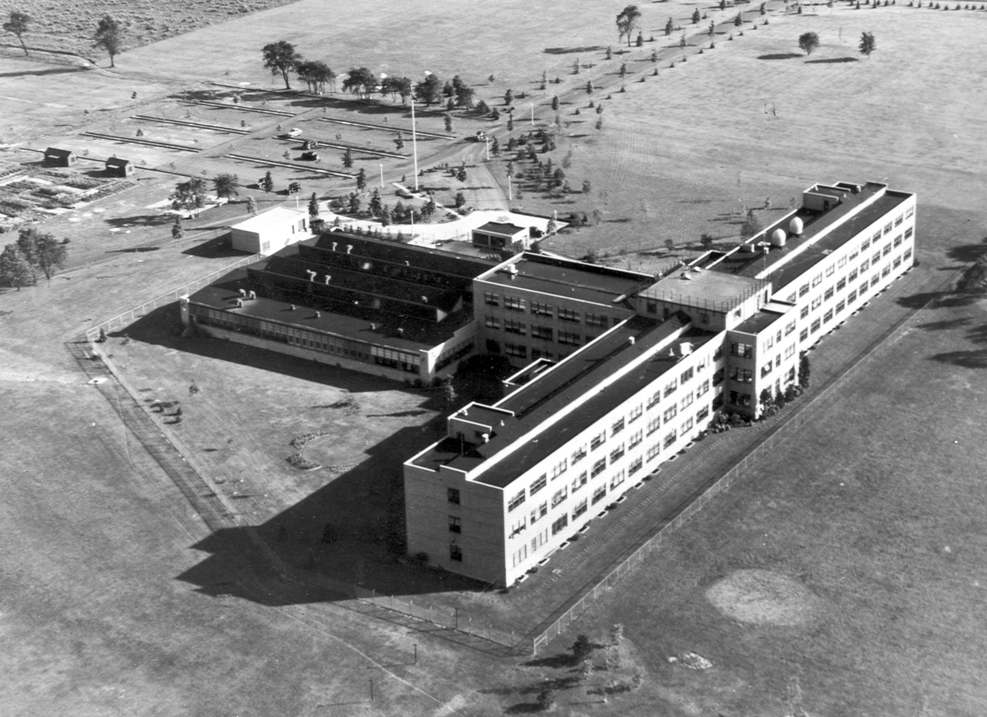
(537, 308)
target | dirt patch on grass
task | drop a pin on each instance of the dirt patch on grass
(762, 597)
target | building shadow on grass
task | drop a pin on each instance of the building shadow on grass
(163, 327)
(348, 532)
(215, 248)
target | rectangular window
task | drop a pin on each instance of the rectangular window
(803, 290)
(654, 424)
(635, 466)
(687, 375)
(580, 508)
(578, 455)
(635, 413)
(560, 495)
(635, 438)
(455, 526)
(790, 327)
(559, 468)
(517, 350)
(875, 280)
(569, 337)
(876, 258)
(897, 241)
(851, 297)
(886, 250)
(718, 377)
(515, 327)
(670, 438)
(492, 322)
(815, 325)
(541, 309)
(840, 306)
(841, 285)
(654, 400)
(452, 494)
(887, 228)
(841, 263)
(617, 427)
(816, 280)
(455, 553)
(686, 401)
(909, 212)
(686, 425)
(853, 276)
(670, 388)
(826, 296)
(597, 440)
(830, 269)
(741, 375)
(816, 303)
(598, 467)
(886, 270)
(864, 265)
(541, 332)
(617, 479)
(653, 451)
(897, 262)
(514, 303)
(899, 219)
(828, 316)
(909, 232)
(670, 413)
(703, 388)
(907, 254)
(804, 313)
(599, 493)
(515, 501)
(579, 481)
(560, 524)
(743, 350)
(595, 319)
(616, 454)
(538, 484)
(803, 335)
(491, 299)
(703, 414)
(863, 288)
(568, 314)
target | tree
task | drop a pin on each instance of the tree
(354, 203)
(190, 195)
(17, 24)
(696, 16)
(375, 205)
(707, 241)
(280, 58)
(313, 206)
(617, 633)
(555, 103)
(546, 700)
(42, 251)
(808, 41)
(623, 70)
(14, 269)
(751, 226)
(447, 122)
(738, 21)
(360, 81)
(867, 44)
(804, 370)
(347, 158)
(669, 27)
(397, 87)
(461, 174)
(226, 185)
(429, 90)
(361, 180)
(581, 648)
(459, 201)
(251, 205)
(627, 22)
(267, 183)
(316, 74)
(109, 36)
(587, 186)
(177, 230)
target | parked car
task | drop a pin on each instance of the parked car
(294, 132)
(310, 156)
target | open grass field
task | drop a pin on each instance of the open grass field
(850, 588)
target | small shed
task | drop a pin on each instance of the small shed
(120, 167)
(271, 231)
(57, 157)
(502, 236)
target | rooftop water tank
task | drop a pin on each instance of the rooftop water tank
(778, 237)
(795, 226)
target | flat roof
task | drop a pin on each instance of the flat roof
(567, 278)
(501, 228)
(552, 392)
(270, 218)
(418, 334)
(716, 291)
(818, 238)
(399, 253)
(763, 319)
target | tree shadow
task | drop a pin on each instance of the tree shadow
(831, 60)
(967, 253)
(570, 50)
(143, 220)
(780, 56)
(936, 300)
(965, 359)
(523, 708)
(53, 71)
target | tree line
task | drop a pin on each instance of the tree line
(34, 252)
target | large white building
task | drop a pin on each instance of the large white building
(628, 369)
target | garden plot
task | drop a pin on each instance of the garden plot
(45, 192)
